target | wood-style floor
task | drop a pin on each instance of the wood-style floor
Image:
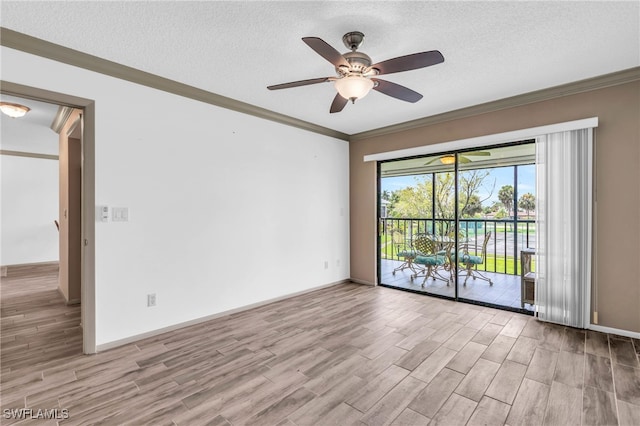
(348, 354)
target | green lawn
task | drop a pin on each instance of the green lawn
(494, 264)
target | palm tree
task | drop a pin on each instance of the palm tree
(527, 202)
(505, 195)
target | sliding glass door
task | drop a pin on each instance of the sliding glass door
(416, 204)
(496, 223)
(475, 209)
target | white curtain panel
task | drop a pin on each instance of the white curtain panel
(564, 170)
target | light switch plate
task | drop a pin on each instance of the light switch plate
(103, 213)
(120, 214)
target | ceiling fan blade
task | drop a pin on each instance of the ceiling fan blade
(432, 161)
(462, 159)
(338, 103)
(298, 83)
(478, 154)
(396, 91)
(325, 50)
(409, 62)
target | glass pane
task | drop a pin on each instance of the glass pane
(418, 203)
(527, 206)
(492, 226)
(414, 210)
(433, 266)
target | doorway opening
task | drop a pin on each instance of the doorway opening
(78, 211)
(456, 224)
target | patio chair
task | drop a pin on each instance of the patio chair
(404, 251)
(447, 248)
(470, 262)
(430, 260)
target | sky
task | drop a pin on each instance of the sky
(502, 175)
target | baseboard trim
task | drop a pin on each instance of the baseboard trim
(26, 265)
(363, 282)
(132, 339)
(61, 293)
(5, 270)
(617, 331)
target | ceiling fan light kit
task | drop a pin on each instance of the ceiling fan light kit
(355, 73)
(448, 159)
(353, 87)
(463, 158)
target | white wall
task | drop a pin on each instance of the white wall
(29, 199)
(225, 209)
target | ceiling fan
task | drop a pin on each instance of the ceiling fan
(451, 158)
(356, 76)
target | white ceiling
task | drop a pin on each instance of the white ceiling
(31, 133)
(492, 50)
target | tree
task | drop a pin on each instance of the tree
(501, 213)
(413, 201)
(392, 198)
(472, 207)
(495, 206)
(444, 195)
(505, 195)
(470, 182)
(417, 201)
(527, 202)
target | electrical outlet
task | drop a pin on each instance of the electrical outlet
(326, 264)
(151, 300)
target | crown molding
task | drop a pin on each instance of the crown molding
(28, 154)
(45, 49)
(600, 82)
(63, 114)
(35, 46)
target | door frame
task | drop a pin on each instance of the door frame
(456, 153)
(87, 274)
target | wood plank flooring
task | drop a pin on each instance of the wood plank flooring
(348, 354)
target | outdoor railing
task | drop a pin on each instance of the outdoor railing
(508, 237)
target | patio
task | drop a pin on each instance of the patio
(505, 290)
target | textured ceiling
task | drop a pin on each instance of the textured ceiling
(492, 50)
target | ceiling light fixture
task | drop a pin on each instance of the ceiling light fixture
(448, 159)
(353, 87)
(13, 110)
